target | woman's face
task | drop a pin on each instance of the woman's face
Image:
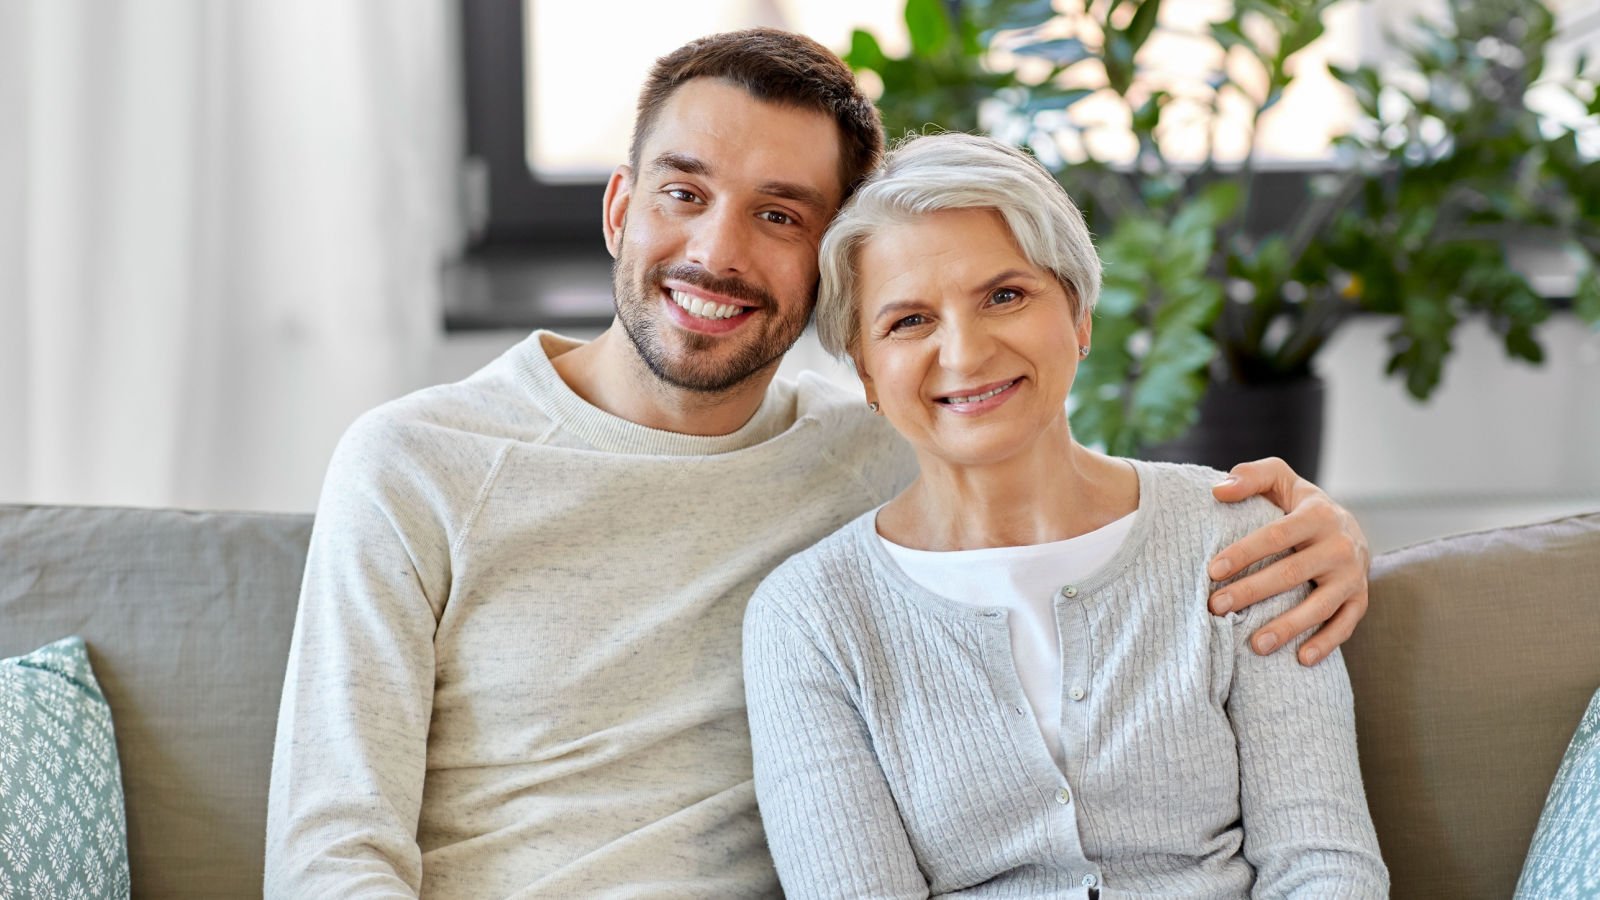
(968, 348)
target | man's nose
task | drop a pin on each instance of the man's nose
(720, 241)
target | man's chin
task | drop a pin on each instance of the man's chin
(703, 376)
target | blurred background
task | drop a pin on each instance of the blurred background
(228, 228)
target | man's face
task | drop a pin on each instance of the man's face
(715, 237)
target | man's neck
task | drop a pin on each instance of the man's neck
(609, 374)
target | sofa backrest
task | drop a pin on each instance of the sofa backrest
(187, 617)
(1471, 671)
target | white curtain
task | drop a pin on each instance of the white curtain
(222, 226)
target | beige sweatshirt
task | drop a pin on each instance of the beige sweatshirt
(516, 664)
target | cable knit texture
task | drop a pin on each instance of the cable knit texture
(515, 668)
(895, 756)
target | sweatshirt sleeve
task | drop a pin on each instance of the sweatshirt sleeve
(1307, 830)
(832, 825)
(351, 749)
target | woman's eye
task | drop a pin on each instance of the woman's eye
(777, 218)
(910, 321)
(1006, 295)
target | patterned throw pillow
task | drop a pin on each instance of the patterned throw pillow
(1564, 860)
(62, 833)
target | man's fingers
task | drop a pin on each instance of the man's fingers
(1335, 631)
(1321, 606)
(1286, 533)
(1317, 562)
(1270, 477)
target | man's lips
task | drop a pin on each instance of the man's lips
(704, 304)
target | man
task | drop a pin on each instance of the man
(516, 667)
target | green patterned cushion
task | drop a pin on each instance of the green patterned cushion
(1564, 860)
(61, 824)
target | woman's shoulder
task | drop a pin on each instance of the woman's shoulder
(820, 582)
(1183, 495)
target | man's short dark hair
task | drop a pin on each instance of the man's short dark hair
(777, 67)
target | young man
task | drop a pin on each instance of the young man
(516, 666)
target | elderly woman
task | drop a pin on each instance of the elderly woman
(1005, 681)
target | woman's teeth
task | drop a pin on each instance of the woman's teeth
(977, 398)
(703, 308)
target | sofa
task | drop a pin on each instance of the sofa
(1471, 671)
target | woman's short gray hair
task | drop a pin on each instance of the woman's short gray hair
(925, 174)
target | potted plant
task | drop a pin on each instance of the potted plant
(1211, 308)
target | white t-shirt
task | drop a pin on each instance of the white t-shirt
(1024, 581)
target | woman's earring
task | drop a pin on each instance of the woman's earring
(1083, 351)
(872, 405)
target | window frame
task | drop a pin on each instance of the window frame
(506, 202)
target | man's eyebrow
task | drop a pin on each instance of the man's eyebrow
(785, 190)
(679, 162)
(799, 193)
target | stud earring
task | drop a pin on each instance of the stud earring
(1083, 351)
(872, 405)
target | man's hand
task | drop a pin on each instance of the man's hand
(1329, 550)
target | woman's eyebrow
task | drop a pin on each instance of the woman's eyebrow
(1002, 278)
(896, 307)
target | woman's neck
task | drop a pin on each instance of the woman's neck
(1056, 490)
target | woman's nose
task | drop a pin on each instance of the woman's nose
(967, 346)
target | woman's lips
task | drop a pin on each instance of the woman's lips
(980, 399)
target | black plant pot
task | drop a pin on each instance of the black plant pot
(1242, 422)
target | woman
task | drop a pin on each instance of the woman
(1005, 680)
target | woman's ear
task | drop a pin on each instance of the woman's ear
(619, 190)
(866, 380)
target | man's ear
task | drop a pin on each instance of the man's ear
(619, 190)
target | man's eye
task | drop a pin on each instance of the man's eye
(683, 194)
(777, 218)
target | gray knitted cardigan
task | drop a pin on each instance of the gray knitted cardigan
(896, 755)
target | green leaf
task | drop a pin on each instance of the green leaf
(1586, 300)
(1061, 51)
(1211, 207)
(1118, 61)
(1144, 22)
(865, 54)
(1009, 16)
(1148, 116)
(928, 25)
(1521, 344)
(1166, 395)
(1052, 98)
(1229, 34)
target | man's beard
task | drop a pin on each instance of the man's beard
(636, 296)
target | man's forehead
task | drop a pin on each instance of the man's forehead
(714, 127)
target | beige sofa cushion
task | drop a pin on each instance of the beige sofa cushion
(1471, 671)
(187, 617)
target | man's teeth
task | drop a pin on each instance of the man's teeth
(978, 398)
(704, 309)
